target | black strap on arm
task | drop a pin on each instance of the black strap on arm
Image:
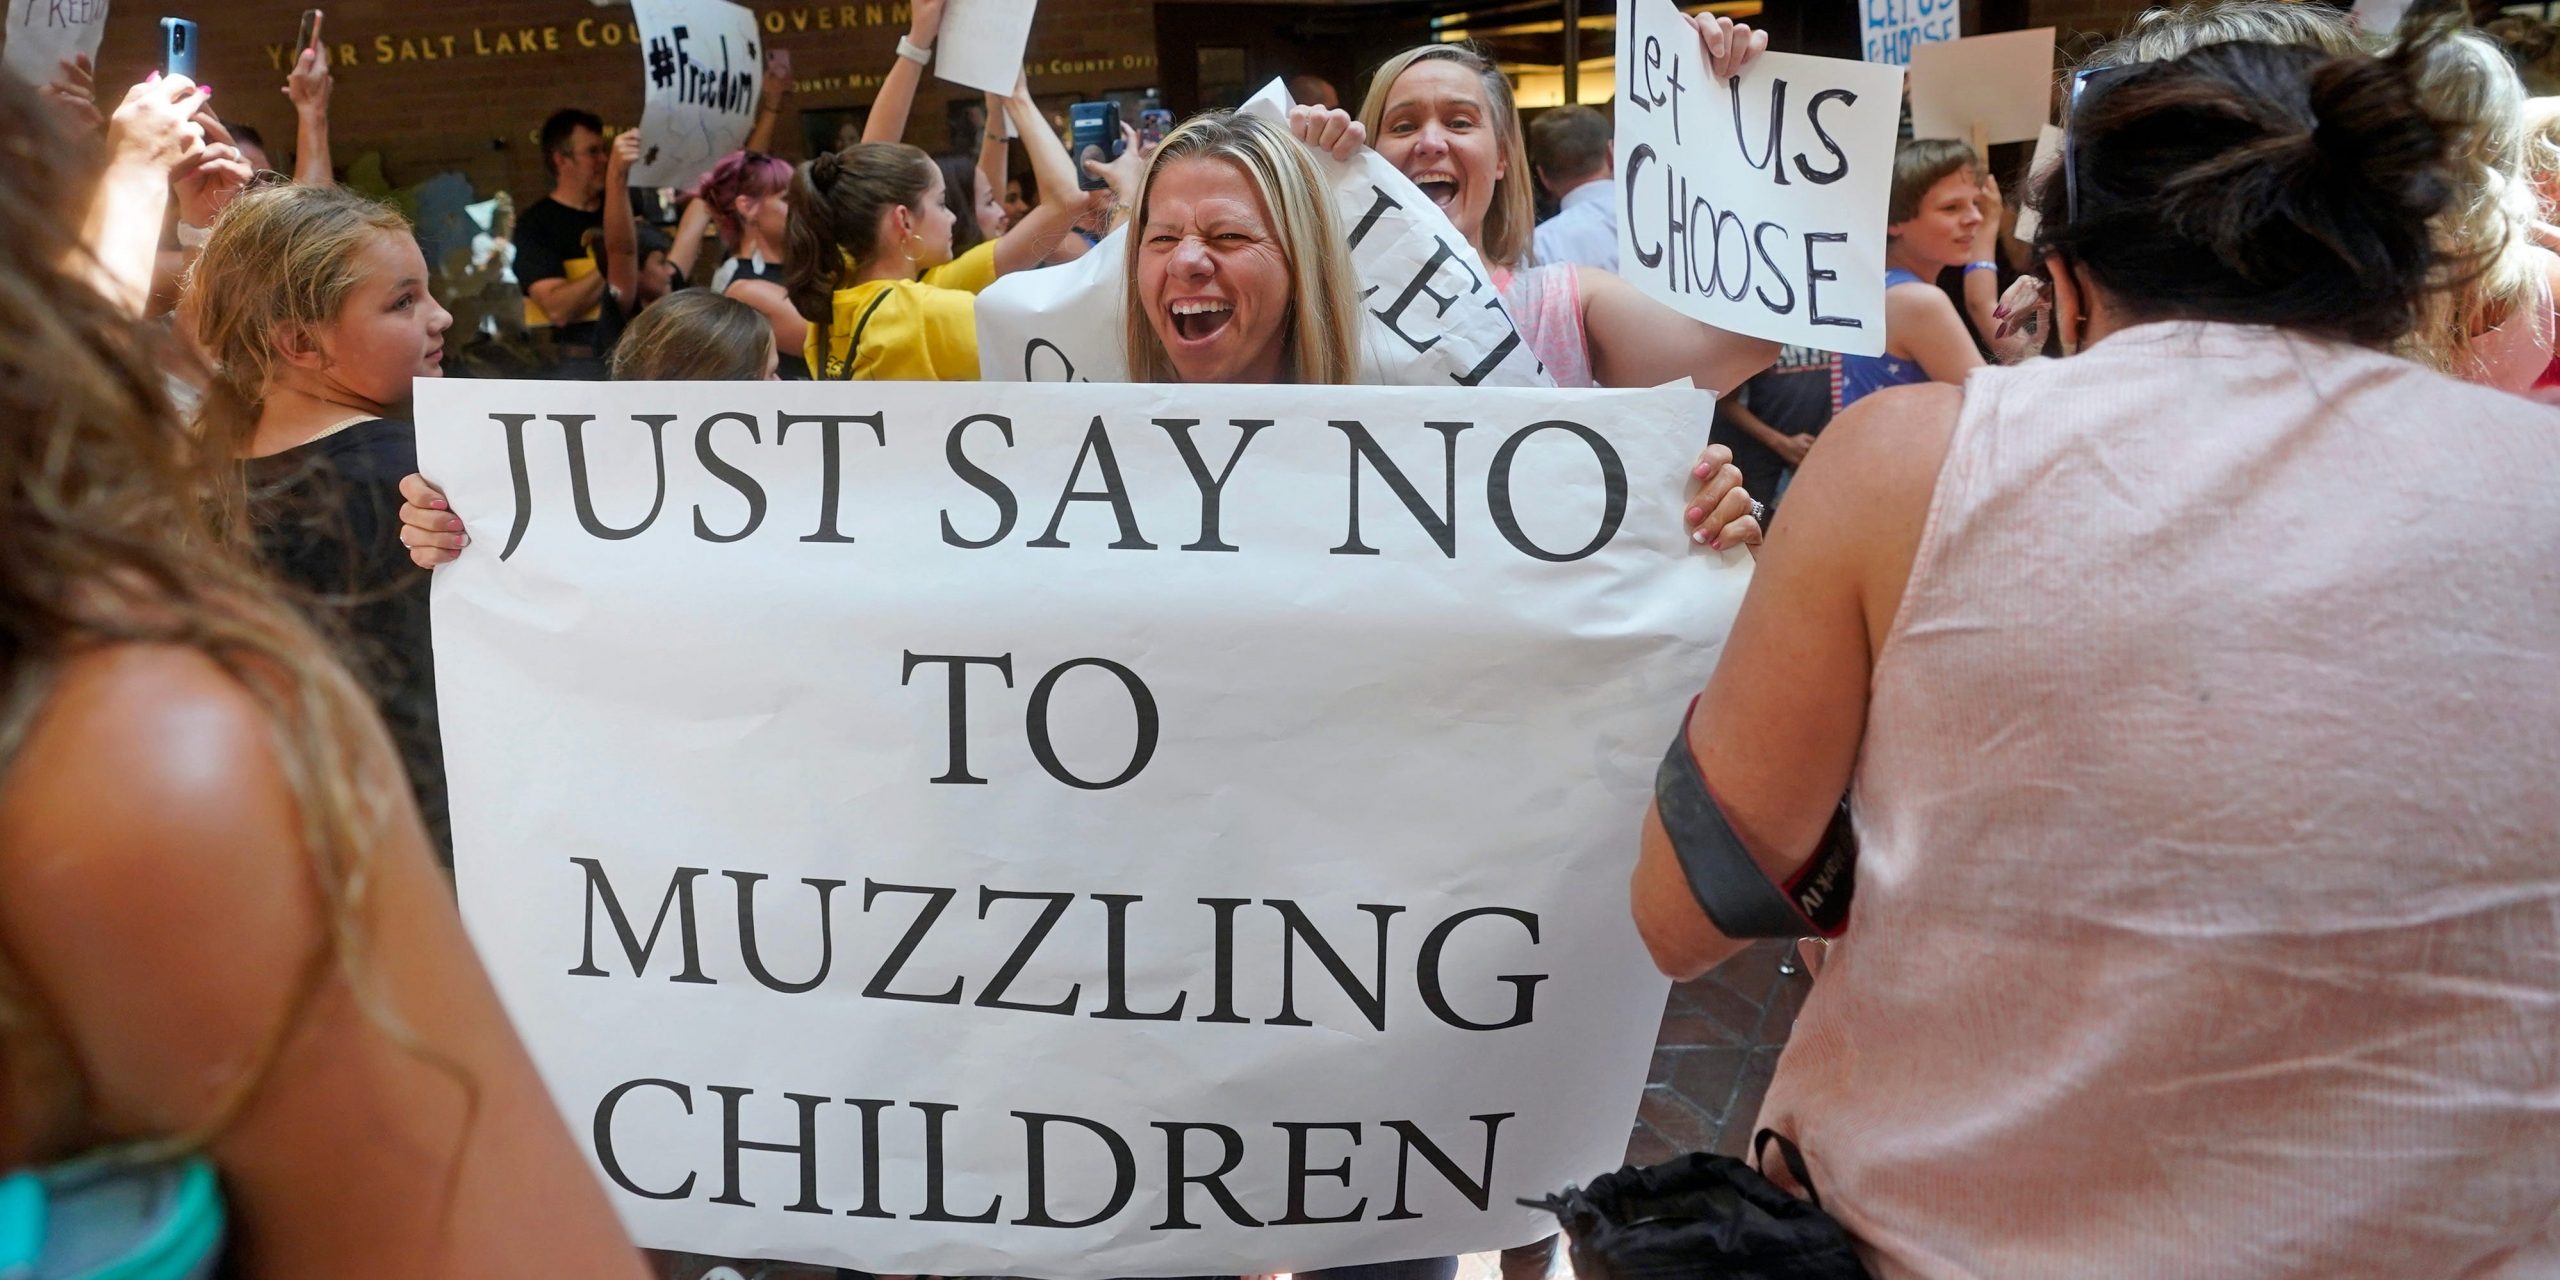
(1730, 887)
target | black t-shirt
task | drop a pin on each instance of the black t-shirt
(549, 236)
(1795, 396)
(790, 366)
(327, 518)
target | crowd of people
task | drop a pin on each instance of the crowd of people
(2207, 917)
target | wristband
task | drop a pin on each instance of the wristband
(191, 236)
(919, 54)
(1730, 887)
(1971, 267)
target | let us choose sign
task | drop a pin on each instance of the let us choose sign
(1755, 203)
(1070, 830)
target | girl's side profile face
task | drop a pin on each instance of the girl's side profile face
(993, 217)
(933, 223)
(390, 331)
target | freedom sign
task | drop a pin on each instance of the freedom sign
(702, 63)
(1072, 831)
(1756, 204)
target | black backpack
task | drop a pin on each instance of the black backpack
(1704, 1216)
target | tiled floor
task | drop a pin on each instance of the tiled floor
(1719, 1045)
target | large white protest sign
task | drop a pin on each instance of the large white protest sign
(1893, 28)
(1984, 89)
(1756, 204)
(42, 33)
(1433, 312)
(1071, 831)
(704, 62)
(982, 43)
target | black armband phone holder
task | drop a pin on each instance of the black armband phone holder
(1730, 887)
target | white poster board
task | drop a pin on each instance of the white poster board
(2001, 86)
(42, 33)
(1756, 204)
(1106, 830)
(702, 62)
(1433, 314)
(1891, 29)
(2048, 154)
(982, 43)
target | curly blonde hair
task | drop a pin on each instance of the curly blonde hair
(2491, 268)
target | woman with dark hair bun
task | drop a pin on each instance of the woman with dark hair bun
(2204, 920)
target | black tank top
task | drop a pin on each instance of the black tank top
(790, 366)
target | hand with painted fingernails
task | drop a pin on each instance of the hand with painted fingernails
(1719, 510)
(429, 529)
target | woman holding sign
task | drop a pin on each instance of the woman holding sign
(2207, 879)
(1443, 114)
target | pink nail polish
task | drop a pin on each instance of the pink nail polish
(153, 78)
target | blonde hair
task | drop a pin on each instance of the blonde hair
(1513, 213)
(694, 335)
(281, 259)
(1322, 333)
(2168, 32)
(2484, 241)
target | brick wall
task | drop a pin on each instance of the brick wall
(463, 84)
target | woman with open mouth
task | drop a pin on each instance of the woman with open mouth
(1443, 114)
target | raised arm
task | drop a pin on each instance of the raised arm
(621, 233)
(778, 83)
(1638, 342)
(692, 227)
(1027, 243)
(152, 133)
(897, 96)
(995, 146)
(1823, 596)
(309, 86)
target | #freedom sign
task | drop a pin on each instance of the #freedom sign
(1071, 831)
(703, 62)
(1756, 204)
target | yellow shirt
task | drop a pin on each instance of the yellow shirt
(912, 330)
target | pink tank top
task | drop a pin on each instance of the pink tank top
(1546, 307)
(2512, 356)
(2208, 915)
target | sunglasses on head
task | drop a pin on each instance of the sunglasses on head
(2085, 84)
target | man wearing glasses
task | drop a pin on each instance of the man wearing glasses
(560, 239)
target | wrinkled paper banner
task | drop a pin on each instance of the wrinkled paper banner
(1265, 909)
(1433, 313)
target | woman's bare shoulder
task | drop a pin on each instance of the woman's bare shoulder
(154, 885)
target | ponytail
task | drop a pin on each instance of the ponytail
(837, 201)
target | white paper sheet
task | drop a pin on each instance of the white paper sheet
(1891, 29)
(982, 43)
